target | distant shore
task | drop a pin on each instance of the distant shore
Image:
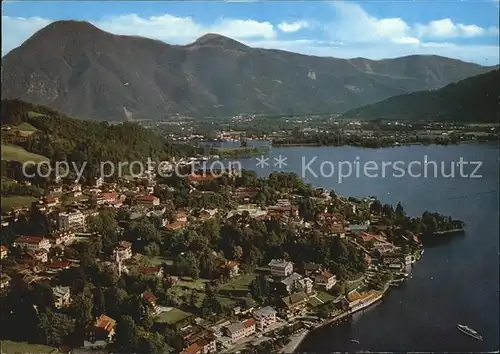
(369, 146)
(447, 232)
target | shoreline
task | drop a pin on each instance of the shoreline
(287, 145)
(451, 231)
(295, 342)
(298, 340)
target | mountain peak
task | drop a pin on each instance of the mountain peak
(71, 26)
(217, 40)
(64, 30)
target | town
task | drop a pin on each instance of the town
(323, 130)
(200, 264)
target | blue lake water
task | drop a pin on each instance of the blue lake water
(455, 282)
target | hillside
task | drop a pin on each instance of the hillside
(85, 72)
(59, 137)
(474, 99)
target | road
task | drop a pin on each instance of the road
(295, 341)
(244, 342)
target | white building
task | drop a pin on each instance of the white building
(123, 251)
(281, 267)
(71, 220)
(264, 317)
(238, 330)
(325, 280)
(32, 242)
(62, 296)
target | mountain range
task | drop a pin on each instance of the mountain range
(83, 71)
(475, 99)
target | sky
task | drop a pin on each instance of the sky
(466, 30)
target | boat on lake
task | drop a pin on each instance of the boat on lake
(470, 332)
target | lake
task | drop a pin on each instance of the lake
(455, 282)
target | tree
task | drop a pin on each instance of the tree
(146, 231)
(260, 288)
(82, 309)
(207, 265)
(152, 343)
(211, 304)
(307, 209)
(115, 299)
(237, 252)
(53, 327)
(400, 213)
(42, 296)
(126, 339)
(194, 265)
(376, 207)
(194, 298)
(211, 230)
(99, 302)
(152, 250)
(187, 264)
(388, 211)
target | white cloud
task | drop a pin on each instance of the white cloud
(355, 25)
(445, 28)
(15, 30)
(180, 30)
(293, 26)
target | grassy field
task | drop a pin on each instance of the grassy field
(188, 283)
(324, 296)
(25, 129)
(353, 284)
(314, 302)
(155, 261)
(10, 347)
(17, 153)
(236, 289)
(240, 283)
(32, 114)
(173, 316)
(13, 201)
(67, 200)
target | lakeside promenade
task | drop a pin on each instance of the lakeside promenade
(296, 340)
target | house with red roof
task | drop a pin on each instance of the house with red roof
(59, 265)
(154, 271)
(325, 280)
(100, 333)
(288, 211)
(176, 225)
(51, 201)
(238, 330)
(34, 256)
(195, 178)
(3, 252)
(147, 200)
(108, 199)
(198, 339)
(32, 242)
(230, 268)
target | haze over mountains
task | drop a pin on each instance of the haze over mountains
(85, 72)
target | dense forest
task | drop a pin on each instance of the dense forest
(474, 99)
(62, 138)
